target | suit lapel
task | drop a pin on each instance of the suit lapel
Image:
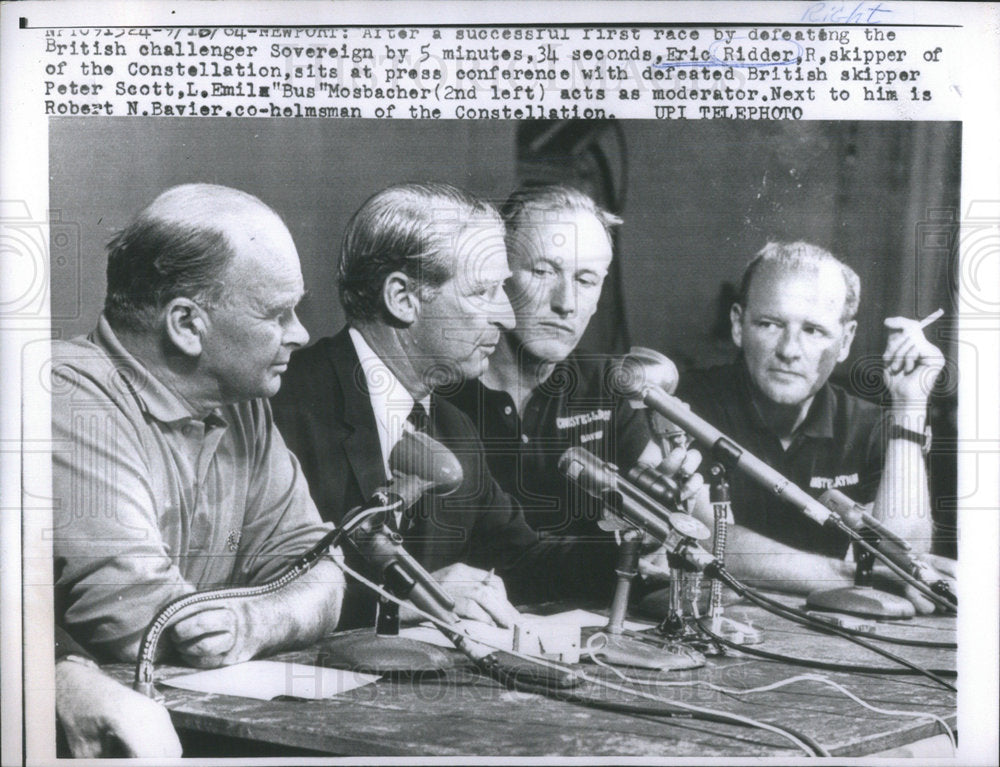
(361, 443)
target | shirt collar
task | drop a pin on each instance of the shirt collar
(153, 396)
(391, 402)
(818, 422)
(564, 375)
(819, 419)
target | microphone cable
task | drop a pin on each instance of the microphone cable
(943, 602)
(797, 616)
(807, 744)
(812, 662)
(894, 640)
(676, 709)
(736, 693)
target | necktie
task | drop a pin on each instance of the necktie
(420, 421)
(418, 418)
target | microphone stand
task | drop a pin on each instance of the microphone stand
(673, 623)
(731, 630)
(405, 578)
(654, 368)
(612, 645)
(385, 652)
(862, 598)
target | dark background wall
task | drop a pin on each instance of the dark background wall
(314, 173)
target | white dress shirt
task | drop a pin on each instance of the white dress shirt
(391, 402)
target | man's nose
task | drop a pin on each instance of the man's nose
(501, 312)
(789, 344)
(563, 299)
(295, 332)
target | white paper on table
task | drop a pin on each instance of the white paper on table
(587, 619)
(493, 636)
(268, 679)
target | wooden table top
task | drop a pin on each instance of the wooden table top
(463, 713)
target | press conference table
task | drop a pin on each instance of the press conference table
(466, 714)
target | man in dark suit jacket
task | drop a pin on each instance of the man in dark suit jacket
(421, 279)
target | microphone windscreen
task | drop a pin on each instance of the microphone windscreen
(640, 368)
(422, 456)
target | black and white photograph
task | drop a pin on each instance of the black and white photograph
(554, 437)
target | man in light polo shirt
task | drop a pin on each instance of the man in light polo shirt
(793, 322)
(169, 475)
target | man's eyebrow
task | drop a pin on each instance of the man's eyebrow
(554, 262)
(291, 302)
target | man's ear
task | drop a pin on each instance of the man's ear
(847, 339)
(402, 301)
(185, 325)
(736, 320)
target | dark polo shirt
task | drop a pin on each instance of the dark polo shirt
(838, 445)
(573, 407)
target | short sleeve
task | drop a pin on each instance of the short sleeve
(874, 456)
(111, 566)
(281, 519)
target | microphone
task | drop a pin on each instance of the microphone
(418, 455)
(655, 483)
(648, 367)
(678, 532)
(420, 464)
(641, 368)
(887, 542)
(731, 454)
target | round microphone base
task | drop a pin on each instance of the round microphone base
(620, 650)
(370, 653)
(862, 601)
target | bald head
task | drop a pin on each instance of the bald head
(802, 257)
(181, 244)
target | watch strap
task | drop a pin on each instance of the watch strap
(922, 438)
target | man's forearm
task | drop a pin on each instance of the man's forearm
(768, 564)
(299, 614)
(903, 500)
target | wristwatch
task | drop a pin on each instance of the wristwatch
(922, 438)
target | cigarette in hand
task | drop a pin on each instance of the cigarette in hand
(932, 317)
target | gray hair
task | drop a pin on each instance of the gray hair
(402, 228)
(792, 256)
(550, 198)
(176, 246)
